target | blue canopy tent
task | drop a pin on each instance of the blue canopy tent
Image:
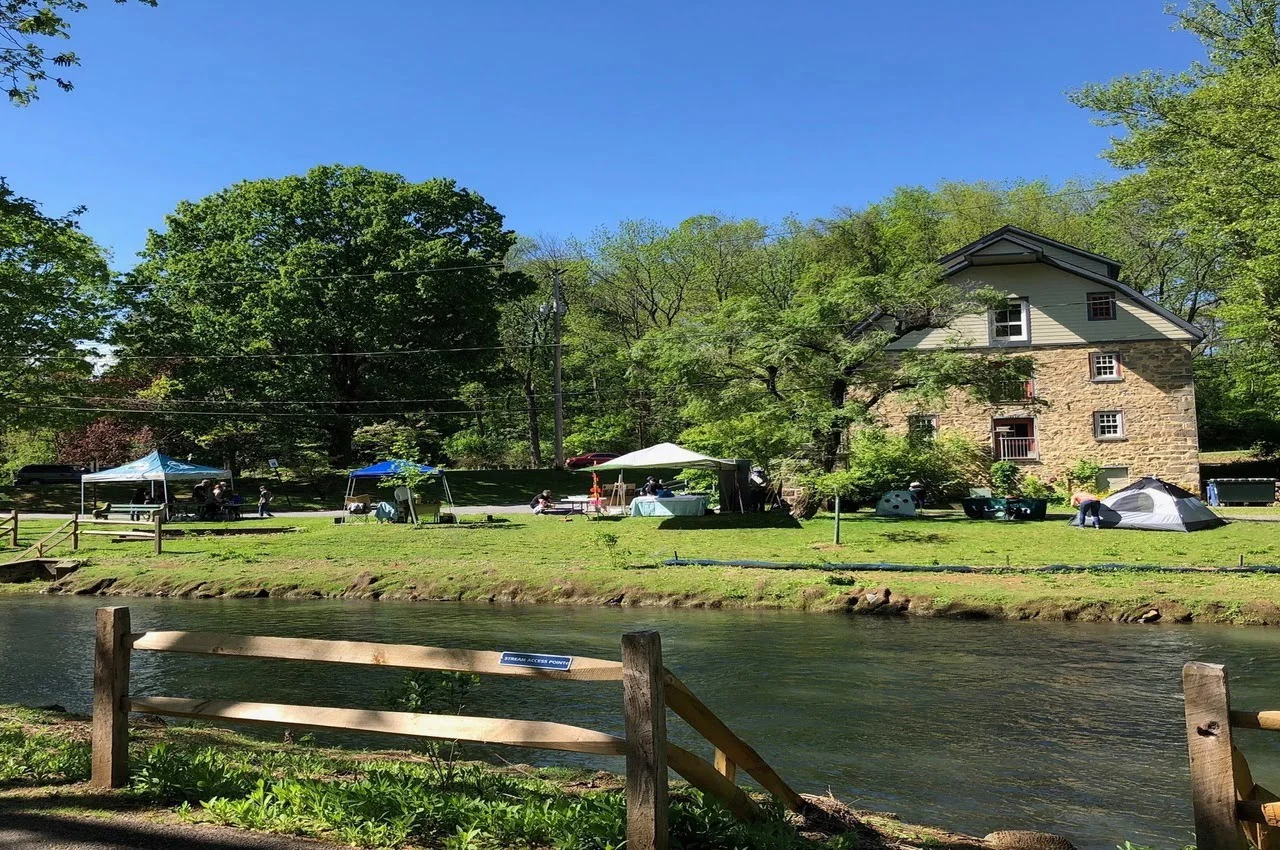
(383, 468)
(152, 468)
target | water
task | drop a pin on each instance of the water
(1075, 729)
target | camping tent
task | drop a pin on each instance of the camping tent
(1155, 505)
(383, 468)
(662, 456)
(154, 467)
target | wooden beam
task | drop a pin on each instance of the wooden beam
(481, 730)
(709, 780)
(704, 721)
(374, 654)
(110, 694)
(13, 530)
(1213, 786)
(644, 712)
(140, 524)
(156, 518)
(1268, 721)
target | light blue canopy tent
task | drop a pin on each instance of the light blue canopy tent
(152, 468)
(383, 468)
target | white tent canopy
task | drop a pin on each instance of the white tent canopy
(662, 456)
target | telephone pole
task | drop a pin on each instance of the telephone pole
(557, 309)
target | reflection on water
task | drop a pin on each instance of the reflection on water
(1074, 729)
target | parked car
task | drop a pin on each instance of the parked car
(36, 474)
(583, 461)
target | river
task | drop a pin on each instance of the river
(971, 726)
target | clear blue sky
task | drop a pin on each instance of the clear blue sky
(571, 115)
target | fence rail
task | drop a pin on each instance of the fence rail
(9, 526)
(79, 526)
(648, 690)
(1231, 810)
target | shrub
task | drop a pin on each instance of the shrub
(1034, 488)
(471, 450)
(879, 461)
(1083, 476)
(1006, 477)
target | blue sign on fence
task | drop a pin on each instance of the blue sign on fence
(536, 660)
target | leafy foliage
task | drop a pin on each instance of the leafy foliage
(879, 462)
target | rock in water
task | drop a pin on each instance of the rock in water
(1025, 839)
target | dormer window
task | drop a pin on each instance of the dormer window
(1012, 322)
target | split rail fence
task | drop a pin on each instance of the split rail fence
(9, 526)
(648, 690)
(73, 529)
(1231, 811)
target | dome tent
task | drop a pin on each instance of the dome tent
(1155, 505)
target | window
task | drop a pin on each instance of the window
(1104, 367)
(1102, 306)
(1112, 478)
(1009, 323)
(923, 426)
(1108, 425)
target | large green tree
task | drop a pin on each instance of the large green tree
(54, 283)
(332, 298)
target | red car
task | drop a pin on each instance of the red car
(583, 461)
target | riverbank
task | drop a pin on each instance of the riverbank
(184, 776)
(547, 560)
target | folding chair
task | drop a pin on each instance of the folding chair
(358, 509)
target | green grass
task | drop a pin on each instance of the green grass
(381, 799)
(545, 559)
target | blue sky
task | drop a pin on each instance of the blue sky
(572, 115)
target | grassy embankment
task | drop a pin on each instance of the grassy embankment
(384, 799)
(547, 560)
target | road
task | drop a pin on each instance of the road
(42, 831)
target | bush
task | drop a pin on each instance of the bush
(1034, 488)
(879, 461)
(1006, 478)
(471, 450)
(1083, 476)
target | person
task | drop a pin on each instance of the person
(757, 489)
(650, 487)
(201, 496)
(917, 493)
(542, 502)
(1090, 508)
(139, 498)
(264, 502)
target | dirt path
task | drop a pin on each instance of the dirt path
(42, 831)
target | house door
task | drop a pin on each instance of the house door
(1014, 439)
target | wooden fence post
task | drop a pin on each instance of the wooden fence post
(1213, 786)
(13, 532)
(155, 519)
(75, 533)
(725, 767)
(110, 699)
(645, 714)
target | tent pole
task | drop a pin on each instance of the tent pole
(444, 479)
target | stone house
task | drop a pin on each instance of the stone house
(1113, 381)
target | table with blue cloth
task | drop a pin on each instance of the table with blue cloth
(669, 506)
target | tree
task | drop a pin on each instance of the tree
(308, 303)
(108, 441)
(54, 281)
(1204, 146)
(24, 62)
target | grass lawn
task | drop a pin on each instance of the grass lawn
(545, 559)
(183, 775)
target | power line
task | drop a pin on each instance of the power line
(308, 278)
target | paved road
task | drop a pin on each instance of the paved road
(41, 831)
(468, 510)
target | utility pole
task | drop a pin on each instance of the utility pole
(557, 308)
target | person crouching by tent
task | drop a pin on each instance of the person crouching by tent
(541, 503)
(1090, 507)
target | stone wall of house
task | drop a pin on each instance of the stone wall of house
(1156, 395)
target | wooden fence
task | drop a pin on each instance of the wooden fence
(1231, 811)
(648, 689)
(9, 526)
(72, 530)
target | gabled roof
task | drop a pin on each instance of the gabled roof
(962, 259)
(1029, 239)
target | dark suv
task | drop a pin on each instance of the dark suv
(48, 473)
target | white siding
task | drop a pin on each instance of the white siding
(1059, 314)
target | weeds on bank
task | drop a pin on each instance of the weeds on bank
(41, 758)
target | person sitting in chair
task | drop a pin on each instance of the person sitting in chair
(541, 503)
(650, 487)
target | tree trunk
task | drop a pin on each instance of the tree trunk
(830, 441)
(535, 432)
